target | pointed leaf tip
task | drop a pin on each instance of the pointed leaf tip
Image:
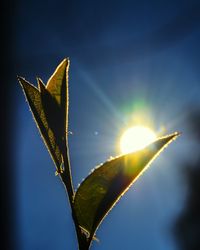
(25, 84)
(49, 106)
(100, 191)
(58, 82)
(41, 85)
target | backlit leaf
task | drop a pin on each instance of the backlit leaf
(57, 86)
(34, 99)
(100, 191)
(55, 117)
(49, 105)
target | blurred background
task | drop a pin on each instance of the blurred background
(131, 62)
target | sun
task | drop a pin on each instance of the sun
(136, 138)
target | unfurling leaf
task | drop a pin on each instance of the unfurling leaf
(49, 106)
(100, 191)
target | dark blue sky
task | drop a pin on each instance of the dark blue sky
(129, 59)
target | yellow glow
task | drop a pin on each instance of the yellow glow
(136, 138)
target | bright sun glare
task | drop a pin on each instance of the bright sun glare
(136, 138)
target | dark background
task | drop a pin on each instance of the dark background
(129, 59)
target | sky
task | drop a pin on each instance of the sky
(130, 61)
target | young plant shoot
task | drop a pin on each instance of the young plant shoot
(107, 183)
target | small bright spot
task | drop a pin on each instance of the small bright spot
(136, 138)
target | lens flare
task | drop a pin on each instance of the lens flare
(136, 138)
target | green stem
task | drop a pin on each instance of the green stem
(66, 178)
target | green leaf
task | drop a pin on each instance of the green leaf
(49, 106)
(57, 84)
(55, 117)
(34, 99)
(100, 191)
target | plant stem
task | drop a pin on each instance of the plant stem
(66, 178)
